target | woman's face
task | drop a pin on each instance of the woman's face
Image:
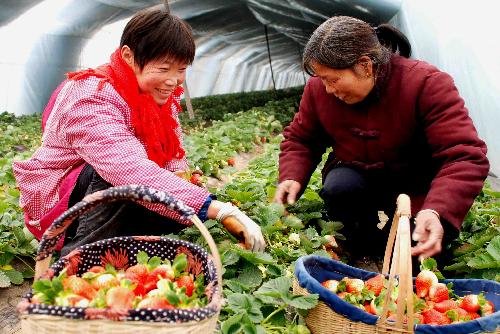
(349, 85)
(160, 78)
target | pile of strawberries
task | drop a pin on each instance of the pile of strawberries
(151, 283)
(434, 302)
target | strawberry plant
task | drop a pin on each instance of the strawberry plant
(477, 249)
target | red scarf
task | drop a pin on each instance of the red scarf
(153, 124)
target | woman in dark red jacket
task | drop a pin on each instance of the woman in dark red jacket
(395, 125)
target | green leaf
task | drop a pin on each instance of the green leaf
(230, 257)
(142, 257)
(483, 260)
(493, 248)
(275, 288)
(303, 302)
(238, 323)
(15, 276)
(4, 280)
(246, 304)
(251, 276)
(256, 258)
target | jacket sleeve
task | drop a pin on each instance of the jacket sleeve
(304, 142)
(95, 127)
(457, 150)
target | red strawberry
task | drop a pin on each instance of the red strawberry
(355, 285)
(331, 285)
(163, 271)
(79, 286)
(433, 317)
(154, 302)
(438, 292)
(263, 140)
(137, 273)
(186, 281)
(119, 297)
(488, 308)
(342, 294)
(470, 303)
(97, 269)
(370, 307)
(230, 162)
(195, 179)
(472, 315)
(425, 279)
(445, 305)
(457, 315)
(375, 284)
(105, 281)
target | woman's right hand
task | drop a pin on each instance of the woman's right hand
(287, 191)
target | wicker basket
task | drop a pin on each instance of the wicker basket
(333, 315)
(40, 318)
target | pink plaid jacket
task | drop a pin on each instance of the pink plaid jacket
(87, 125)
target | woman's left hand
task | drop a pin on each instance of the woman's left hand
(429, 235)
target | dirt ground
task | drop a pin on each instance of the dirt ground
(9, 320)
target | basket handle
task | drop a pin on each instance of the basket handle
(399, 239)
(135, 193)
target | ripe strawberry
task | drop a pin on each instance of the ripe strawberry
(375, 284)
(331, 285)
(445, 305)
(370, 307)
(119, 297)
(195, 179)
(263, 140)
(487, 309)
(438, 292)
(355, 285)
(457, 315)
(154, 302)
(71, 299)
(137, 273)
(163, 271)
(433, 317)
(97, 269)
(470, 303)
(186, 281)
(424, 280)
(230, 162)
(342, 294)
(472, 315)
(79, 286)
(105, 281)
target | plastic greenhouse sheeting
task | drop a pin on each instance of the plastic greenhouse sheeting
(462, 39)
(44, 39)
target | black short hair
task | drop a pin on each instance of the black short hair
(155, 34)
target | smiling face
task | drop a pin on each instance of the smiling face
(350, 85)
(157, 78)
(160, 78)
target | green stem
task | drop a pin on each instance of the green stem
(279, 309)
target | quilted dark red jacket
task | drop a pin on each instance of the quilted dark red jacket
(413, 125)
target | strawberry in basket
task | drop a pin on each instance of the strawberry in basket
(434, 302)
(151, 283)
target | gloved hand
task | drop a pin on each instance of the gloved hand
(428, 233)
(287, 190)
(242, 227)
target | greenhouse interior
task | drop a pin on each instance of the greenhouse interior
(303, 190)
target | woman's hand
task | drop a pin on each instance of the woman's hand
(428, 233)
(287, 190)
(238, 224)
